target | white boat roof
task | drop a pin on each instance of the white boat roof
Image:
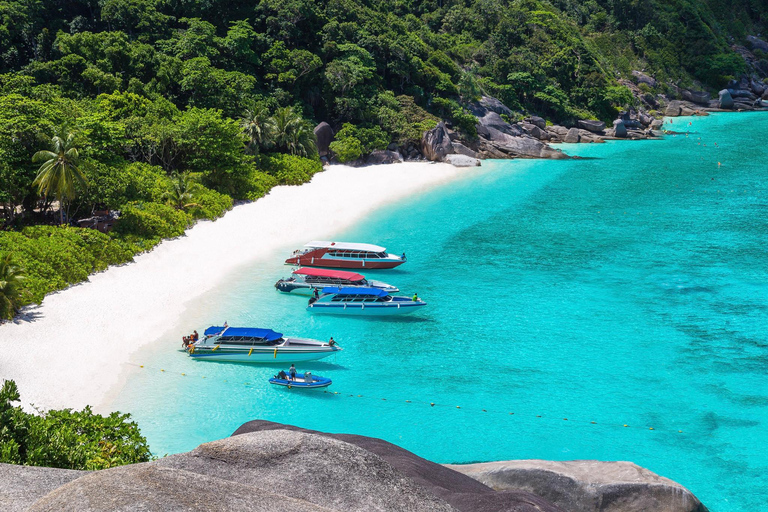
(345, 246)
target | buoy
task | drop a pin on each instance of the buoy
(183, 373)
(626, 425)
(650, 428)
(565, 419)
(432, 404)
(538, 416)
(593, 422)
(511, 413)
(407, 401)
(142, 366)
(162, 370)
(458, 407)
(484, 410)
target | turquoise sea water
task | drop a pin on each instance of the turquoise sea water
(626, 288)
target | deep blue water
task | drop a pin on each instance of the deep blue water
(626, 288)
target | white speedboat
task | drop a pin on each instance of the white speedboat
(304, 281)
(362, 301)
(252, 345)
(344, 255)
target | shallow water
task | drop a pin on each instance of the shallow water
(628, 288)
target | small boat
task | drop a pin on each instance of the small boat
(344, 255)
(305, 280)
(252, 345)
(362, 301)
(305, 381)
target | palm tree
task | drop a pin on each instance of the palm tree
(11, 276)
(181, 191)
(59, 172)
(258, 126)
(293, 133)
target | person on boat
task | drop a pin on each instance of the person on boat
(185, 341)
(315, 293)
(226, 324)
(415, 297)
(331, 342)
(195, 337)
(282, 375)
(402, 257)
(292, 371)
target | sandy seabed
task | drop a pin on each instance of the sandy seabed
(72, 350)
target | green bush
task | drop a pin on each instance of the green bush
(347, 150)
(152, 220)
(352, 142)
(289, 169)
(208, 204)
(65, 438)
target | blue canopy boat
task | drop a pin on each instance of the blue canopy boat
(305, 380)
(252, 345)
(362, 301)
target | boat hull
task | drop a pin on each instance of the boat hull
(317, 382)
(357, 309)
(298, 288)
(282, 356)
(381, 264)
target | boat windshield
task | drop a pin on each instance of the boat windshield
(246, 340)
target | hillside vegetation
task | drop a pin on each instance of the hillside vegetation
(178, 108)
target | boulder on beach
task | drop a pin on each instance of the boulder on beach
(700, 97)
(436, 143)
(587, 485)
(538, 121)
(572, 136)
(324, 134)
(592, 126)
(619, 128)
(656, 124)
(461, 149)
(673, 109)
(462, 161)
(726, 100)
(383, 156)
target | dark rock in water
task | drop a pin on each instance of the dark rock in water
(619, 129)
(152, 487)
(324, 134)
(588, 485)
(21, 486)
(644, 79)
(572, 136)
(757, 44)
(726, 100)
(592, 126)
(460, 491)
(700, 97)
(436, 143)
(383, 156)
(538, 121)
(673, 109)
(492, 120)
(494, 105)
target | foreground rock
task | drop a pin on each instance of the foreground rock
(20, 486)
(587, 485)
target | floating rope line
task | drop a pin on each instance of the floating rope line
(577, 421)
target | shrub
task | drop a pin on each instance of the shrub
(208, 204)
(152, 220)
(66, 438)
(289, 169)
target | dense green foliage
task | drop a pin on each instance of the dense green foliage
(66, 438)
(11, 279)
(177, 108)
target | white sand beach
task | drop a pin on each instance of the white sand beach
(72, 350)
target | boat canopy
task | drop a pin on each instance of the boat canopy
(378, 292)
(335, 274)
(345, 246)
(250, 332)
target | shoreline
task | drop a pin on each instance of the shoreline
(72, 350)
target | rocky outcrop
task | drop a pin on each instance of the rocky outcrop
(492, 120)
(461, 149)
(587, 485)
(538, 121)
(572, 136)
(673, 109)
(436, 143)
(726, 100)
(592, 126)
(700, 97)
(757, 44)
(642, 78)
(619, 129)
(324, 134)
(21, 486)
(494, 105)
(383, 156)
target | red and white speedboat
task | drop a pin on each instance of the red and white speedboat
(305, 280)
(344, 255)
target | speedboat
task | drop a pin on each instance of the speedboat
(344, 255)
(362, 301)
(305, 280)
(252, 345)
(304, 381)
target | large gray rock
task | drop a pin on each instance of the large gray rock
(532, 130)
(538, 121)
(522, 146)
(757, 44)
(324, 134)
(588, 485)
(308, 467)
(642, 78)
(492, 120)
(742, 93)
(673, 109)
(619, 128)
(757, 87)
(20, 486)
(462, 161)
(151, 487)
(592, 126)
(494, 105)
(656, 124)
(436, 143)
(700, 97)
(726, 100)
(572, 136)
(461, 149)
(383, 156)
